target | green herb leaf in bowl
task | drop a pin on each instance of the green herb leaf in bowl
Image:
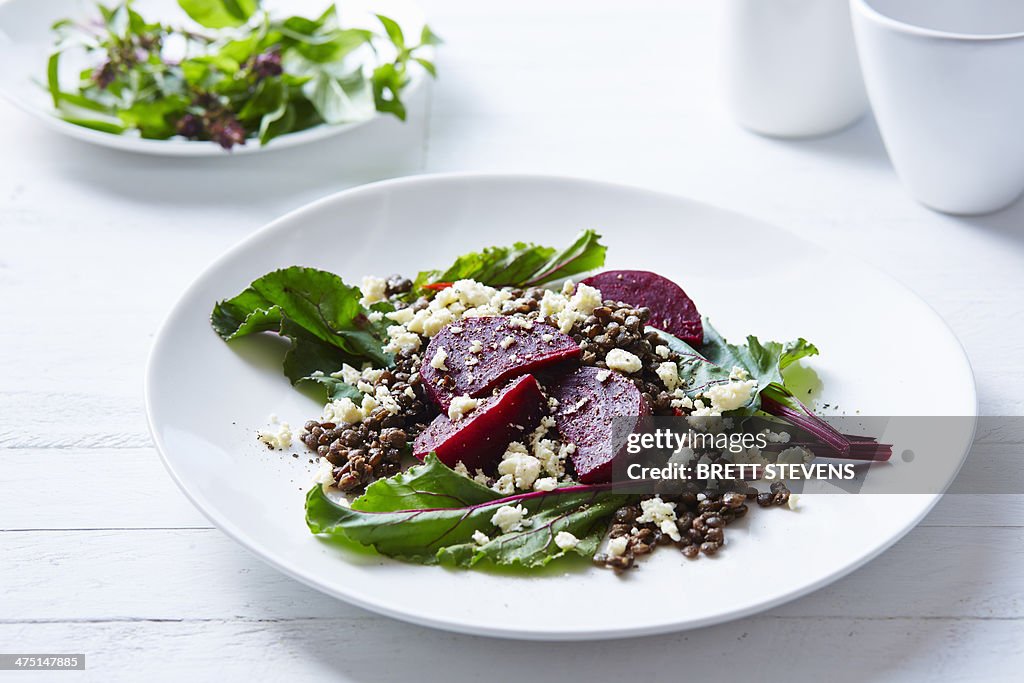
(243, 75)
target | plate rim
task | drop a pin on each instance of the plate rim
(236, 534)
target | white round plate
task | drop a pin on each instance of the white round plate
(26, 42)
(205, 399)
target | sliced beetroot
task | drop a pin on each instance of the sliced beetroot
(672, 310)
(480, 438)
(476, 370)
(589, 400)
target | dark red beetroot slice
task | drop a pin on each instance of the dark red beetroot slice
(478, 374)
(672, 310)
(480, 439)
(586, 410)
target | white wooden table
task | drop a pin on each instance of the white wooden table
(100, 553)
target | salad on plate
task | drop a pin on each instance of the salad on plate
(235, 73)
(473, 415)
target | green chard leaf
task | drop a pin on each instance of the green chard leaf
(315, 310)
(713, 364)
(429, 514)
(220, 13)
(522, 264)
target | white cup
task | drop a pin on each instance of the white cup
(946, 82)
(790, 66)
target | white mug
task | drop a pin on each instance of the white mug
(790, 66)
(946, 82)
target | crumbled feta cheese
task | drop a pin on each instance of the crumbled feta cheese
(586, 299)
(701, 410)
(480, 538)
(402, 316)
(657, 511)
(617, 546)
(662, 351)
(342, 411)
(509, 518)
(374, 289)
(603, 375)
(572, 410)
(505, 484)
(545, 484)
(368, 405)
(681, 400)
(565, 540)
(523, 467)
(623, 361)
(570, 306)
(410, 392)
(464, 299)
(776, 437)
(739, 373)
(438, 361)
(520, 322)
(794, 501)
(476, 346)
(383, 396)
(668, 373)
(796, 455)
(278, 439)
(401, 340)
(730, 395)
(547, 337)
(348, 374)
(460, 407)
(455, 329)
(375, 316)
(324, 474)
(507, 342)
(461, 468)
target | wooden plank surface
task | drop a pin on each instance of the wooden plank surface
(101, 553)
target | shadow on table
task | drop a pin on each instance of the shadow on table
(382, 148)
(859, 143)
(1007, 225)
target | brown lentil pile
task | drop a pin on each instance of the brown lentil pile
(701, 520)
(374, 448)
(616, 325)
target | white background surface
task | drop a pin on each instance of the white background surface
(99, 552)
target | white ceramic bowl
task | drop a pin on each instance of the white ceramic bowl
(946, 82)
(790, 66)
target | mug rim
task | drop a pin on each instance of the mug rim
(870, 12)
